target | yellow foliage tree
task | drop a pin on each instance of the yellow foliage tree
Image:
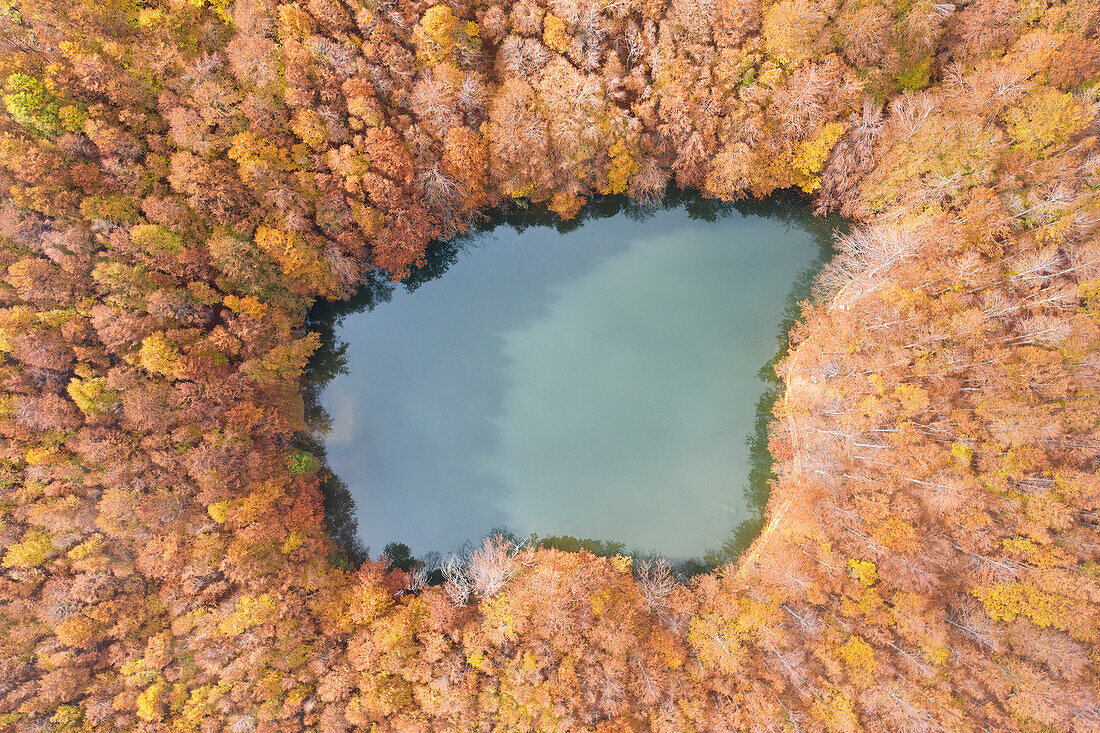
(251, 611)
(864, 571)
(623, 166)
(554, 33)
(811, 156)
(29, 552)
(91, 395)
(89, 555)
(77, 631)
(1006, 601)
(439, 35)
(294, 22)
(309, 272)
(837, 713)
(1046, 119)
(158, 354)
(859, 659)
(155, 239)
(246, 306)
(151, 702)
(434, 35)
(794, 31)
(285, 362)
(218, 511)
(309, 128)
(912, 397)
(259, 160)
(896, 535)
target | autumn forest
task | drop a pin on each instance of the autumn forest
(181, 181)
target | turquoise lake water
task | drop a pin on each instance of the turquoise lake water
(601, 382)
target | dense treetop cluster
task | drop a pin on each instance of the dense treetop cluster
(179, 181)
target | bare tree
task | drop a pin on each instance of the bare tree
(457, 585)
(483, 573)
(656, 580)
(865, 258)
(491, 565)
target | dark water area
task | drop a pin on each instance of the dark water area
(607, 378)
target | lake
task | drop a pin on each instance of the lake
(598, 379)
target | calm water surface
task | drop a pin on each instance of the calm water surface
(599, 383)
